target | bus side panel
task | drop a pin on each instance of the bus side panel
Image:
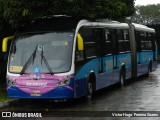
(154, 65)
(126, 59)
(82, 75)
(143, 62)
(128, 73)
(122, 59)
(80, 87)
(116, 75)
(104, 79)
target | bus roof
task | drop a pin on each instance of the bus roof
(143, 28)
(66, 23)
(110, 24)
(50, 23)
(114, 25)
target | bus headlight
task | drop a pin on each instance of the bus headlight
(11, 83)
(65, 82)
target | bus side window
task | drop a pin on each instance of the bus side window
(114, 40)
(127, 41)
(138, 45)
(79, 53)
(153, 45)
(90, 45)
(89, 42)
(108, 42)
(149, 42)
(143, 41)
(121, 42)
(152, 38)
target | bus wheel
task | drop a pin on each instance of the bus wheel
(121, 81)
(149, 70)
(89, 91)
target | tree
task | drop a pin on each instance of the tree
(147, 14)
(16, 12)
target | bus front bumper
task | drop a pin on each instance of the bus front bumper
(61, 92)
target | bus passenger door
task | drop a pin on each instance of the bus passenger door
(115, 59)
(99, 36)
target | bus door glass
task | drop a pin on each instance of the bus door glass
(98, 35)
(114, 46)
(138, 46)
(151, 37)
(108, 51)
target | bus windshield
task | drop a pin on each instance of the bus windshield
(55, 47)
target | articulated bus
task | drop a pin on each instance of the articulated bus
(61, 57)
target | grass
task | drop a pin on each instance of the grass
(3, 94)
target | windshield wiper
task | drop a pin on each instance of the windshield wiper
(45, 61)
(31, 58)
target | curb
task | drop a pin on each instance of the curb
(7, 103)
(4, 104)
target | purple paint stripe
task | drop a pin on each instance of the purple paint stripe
(69, 87)
(8, 87)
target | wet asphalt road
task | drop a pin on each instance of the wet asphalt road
(140, 94)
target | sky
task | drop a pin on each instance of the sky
(146, 2)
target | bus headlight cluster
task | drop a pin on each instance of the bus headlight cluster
(11, 82)
(65, 82)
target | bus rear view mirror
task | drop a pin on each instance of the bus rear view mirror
(5, 43)
(80, 43)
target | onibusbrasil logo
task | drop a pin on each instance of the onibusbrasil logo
(18, 114)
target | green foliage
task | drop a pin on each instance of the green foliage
(147, 14)
(3, 95)
(16, 12)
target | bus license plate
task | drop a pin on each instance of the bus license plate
(35, 94)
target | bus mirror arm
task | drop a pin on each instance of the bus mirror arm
(5, 42)
(80, 43)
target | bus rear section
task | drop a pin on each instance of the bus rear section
(146, 49)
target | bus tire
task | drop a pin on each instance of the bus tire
(149, 68)
(91, 86)
(89, 91)
(122, 79)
